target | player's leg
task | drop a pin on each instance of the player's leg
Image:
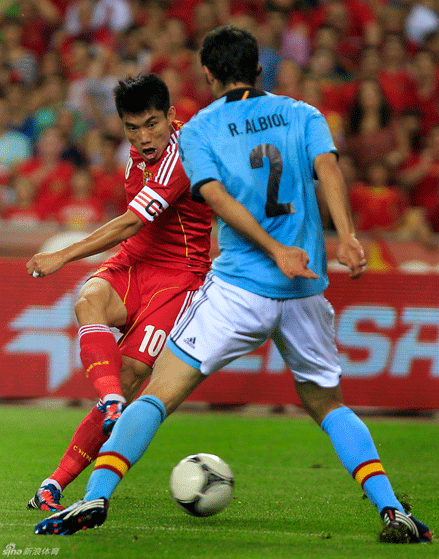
(311, 354)
(86, 441)
(142, 418)
(97, 309)
(356, 450)
(210, 334)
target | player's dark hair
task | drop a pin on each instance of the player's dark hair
(136, 95)
(231, 54)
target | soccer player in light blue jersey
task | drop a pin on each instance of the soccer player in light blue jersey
(254, 157)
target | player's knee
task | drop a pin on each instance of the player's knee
(87, 307)
(132, 377)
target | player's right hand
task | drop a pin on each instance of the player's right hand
(44, 263)
(293, 263)
(351, 254)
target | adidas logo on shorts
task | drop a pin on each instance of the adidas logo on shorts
(190, 342)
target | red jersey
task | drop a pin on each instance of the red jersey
(177, 229)
(376, 208)
(81, 214)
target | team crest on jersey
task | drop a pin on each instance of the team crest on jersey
(147, 174)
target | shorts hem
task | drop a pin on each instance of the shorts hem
(188, 359)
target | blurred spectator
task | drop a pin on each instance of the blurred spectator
(269, 55)
(431, 43)
(380, 208)
(134, 48)
(50, 65)
(371, 67)
(408, 137)
(419, 173)
(348, 169)
(20, 118)
(112, 14)
(426, 88)
(38, 20)
(289, 79)
(109, 178)
(24, 210)
(97, 100)
(70, 126)
(396, 83)
(377, 206)
(49, 174)
(51, 98)
(14, 146)
(204, 19)
(185, 107)
(370, 130)
(355, 22)
(113, 126)
(173, 51)
(20, 59)
(421, 20)
(311, 93)
(293, 40)
(82, 210)
(196, 86)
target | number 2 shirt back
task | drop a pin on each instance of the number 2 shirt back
(261, 147)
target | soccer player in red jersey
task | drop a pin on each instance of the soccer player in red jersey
(146, 286)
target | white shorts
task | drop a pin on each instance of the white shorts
(225, 322)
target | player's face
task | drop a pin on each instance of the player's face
(149, 132)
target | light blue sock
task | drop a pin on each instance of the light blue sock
(356, 450)
(130, 438)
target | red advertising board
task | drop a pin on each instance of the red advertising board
(387, 329)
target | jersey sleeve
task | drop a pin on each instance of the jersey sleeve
(197, 159)
(160, 192)
(317, 137)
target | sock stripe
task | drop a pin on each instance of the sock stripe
(114, 462)
(93, 329)
(156, 403)
(379, 473)
(366, 470)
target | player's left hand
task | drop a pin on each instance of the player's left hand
(351, 254)
(293, 262)
(45, 263)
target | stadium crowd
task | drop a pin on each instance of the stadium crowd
(370, 66)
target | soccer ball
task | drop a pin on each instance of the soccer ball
(202, 484)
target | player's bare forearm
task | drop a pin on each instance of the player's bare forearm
(292, 261)
(104, 238)
(350, 252)
(334, 188)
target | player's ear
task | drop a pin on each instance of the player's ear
(209, 76)
(171, 114)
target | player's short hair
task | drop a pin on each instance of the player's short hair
(231, 54)
(143, 92)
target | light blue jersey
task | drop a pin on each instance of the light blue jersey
(261, 147)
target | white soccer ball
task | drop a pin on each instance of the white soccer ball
(202, 484)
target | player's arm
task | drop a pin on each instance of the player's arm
(350, 252)
(292, 261)
(102, 239)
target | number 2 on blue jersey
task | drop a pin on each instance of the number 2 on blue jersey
(274, 156)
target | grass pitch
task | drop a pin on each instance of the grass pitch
(293, 499)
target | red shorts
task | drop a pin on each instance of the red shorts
(154, 297)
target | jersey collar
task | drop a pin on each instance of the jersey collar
(243, 93)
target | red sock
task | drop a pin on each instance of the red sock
(83, 448)
(101, 358)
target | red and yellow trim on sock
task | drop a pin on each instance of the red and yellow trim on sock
(366, 470)
(114, 462)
